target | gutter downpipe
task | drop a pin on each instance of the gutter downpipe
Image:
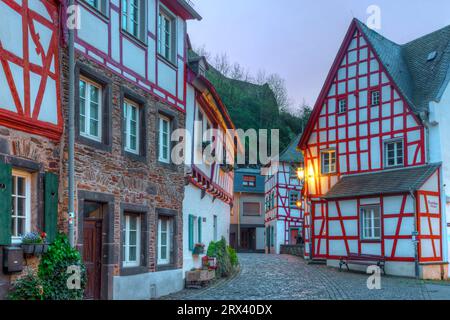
(416, 241)
(71, 147)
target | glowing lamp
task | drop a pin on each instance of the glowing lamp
(301, 173)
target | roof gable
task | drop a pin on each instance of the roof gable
(291, 154)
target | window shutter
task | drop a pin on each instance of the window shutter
(191, 232)
(272, 236)
(5, 203)
(50, 205)
(199, 230)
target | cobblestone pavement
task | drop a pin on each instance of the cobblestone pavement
(282, 277)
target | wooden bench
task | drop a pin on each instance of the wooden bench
(362, 259)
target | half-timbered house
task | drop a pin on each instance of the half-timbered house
(130, 91)
(31, 124)
(283, 199)
(376, 155)
(208, 194)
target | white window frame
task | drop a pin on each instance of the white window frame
(368, 216)
(168, 245)
(375, 96)
(126, 243)
(332, 167)
(163, 119)
(291, 193)
(87, 109)
(129, 21)
(127, 109)
(27, 176)
(164, 13)
(341, 110)
(396, 155)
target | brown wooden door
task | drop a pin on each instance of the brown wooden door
(92, 255)
(244, 240)
(293, 236)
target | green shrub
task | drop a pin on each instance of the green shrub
(211, 252)
(53, 271)
(233, 256)
(28, 287)
(224, 267)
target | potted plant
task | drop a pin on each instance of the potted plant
(34, 243)
(199, 248)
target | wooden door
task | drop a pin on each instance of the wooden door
(245, 239)
(293, 236)
(92, 257)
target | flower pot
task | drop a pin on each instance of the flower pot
(28, 248)
(198, 250)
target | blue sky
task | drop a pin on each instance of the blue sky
(299, 39)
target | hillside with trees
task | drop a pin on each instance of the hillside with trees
(259, 102)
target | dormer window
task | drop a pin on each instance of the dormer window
(342, 106)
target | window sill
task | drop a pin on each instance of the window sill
(135, 157)
(134, 39)
(93, 143)
(370, 241)
(394, 167)
(167, 61)
(169, 166)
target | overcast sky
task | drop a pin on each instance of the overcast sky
(299, 39)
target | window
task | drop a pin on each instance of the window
(132, 241)
(131, 126)
(328, 161)
(294, 196)
(342, 105)
(370, 223)
(251, 209)
(375, 98)
(21, 205)
(90, 110)
(133, 18)
(394, 153)
(166, 35)
(164, 139)
(94, 3)
(165, 240)
(249, 181)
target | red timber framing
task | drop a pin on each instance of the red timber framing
(116, 56)
(358, 135)
(33, 110)
(281, 185)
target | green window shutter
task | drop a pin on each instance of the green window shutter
(272, 236)
(50, 205)
(5, 203)
(199, 221)
(191, 232)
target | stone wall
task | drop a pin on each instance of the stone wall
(145, 182)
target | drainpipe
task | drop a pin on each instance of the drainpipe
(71, 146)
(416, 243)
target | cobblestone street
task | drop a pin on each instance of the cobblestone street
(272, 277)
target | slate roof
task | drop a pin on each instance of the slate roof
(419, 80)
(239, 177)
(291, 154)
(384, 182)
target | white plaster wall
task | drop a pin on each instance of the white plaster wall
(205, 208)
(133, 57)
(439, 151)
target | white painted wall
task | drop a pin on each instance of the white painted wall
(439, 151)
(193, 204)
